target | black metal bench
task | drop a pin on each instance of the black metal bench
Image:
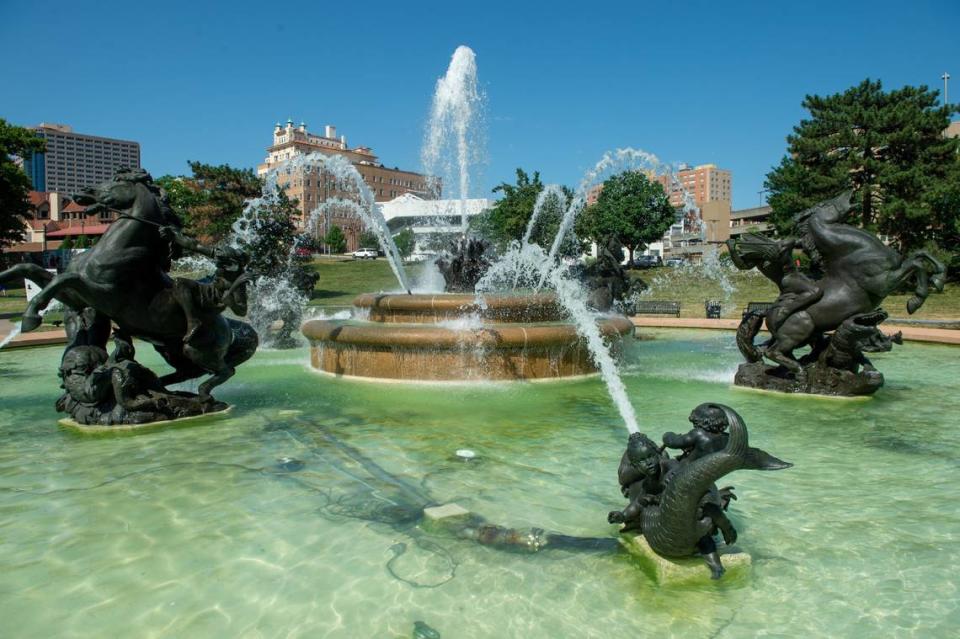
(656, 307)
(713, 308)
(757, 307)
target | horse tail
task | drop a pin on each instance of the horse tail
(746, 332)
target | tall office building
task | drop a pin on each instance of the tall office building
(73, 161)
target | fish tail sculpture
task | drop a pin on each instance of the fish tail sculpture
(674, 526)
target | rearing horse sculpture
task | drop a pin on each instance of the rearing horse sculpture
(124, 279)
(859, 271)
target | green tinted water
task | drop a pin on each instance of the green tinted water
(196, 532)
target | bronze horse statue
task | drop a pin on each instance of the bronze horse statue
(124, 279)
(859, 271)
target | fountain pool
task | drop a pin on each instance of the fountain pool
(217, 530)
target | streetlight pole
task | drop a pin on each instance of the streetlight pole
(946, 85)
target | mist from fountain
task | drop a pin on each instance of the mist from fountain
(526, 265)
(453, 142)
(273, 296)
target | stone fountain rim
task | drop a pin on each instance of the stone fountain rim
(452, 302)
(429, 336)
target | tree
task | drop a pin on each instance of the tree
(283, 276)
(335, 240)
(212, 198)
(632, 208)
(508, 219)
(369, 239)
(405, 241)
(83, 242)
(67, 244)
(889, 148)
(14, 184)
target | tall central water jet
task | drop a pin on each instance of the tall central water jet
(453, 142)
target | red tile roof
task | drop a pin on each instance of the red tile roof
(73, 206)
(75, 230)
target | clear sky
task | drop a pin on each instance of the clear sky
(689, 81)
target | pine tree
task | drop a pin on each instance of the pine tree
(889, 148)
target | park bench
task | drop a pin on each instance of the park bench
(757, 307)
(656, 307)
(713, 308)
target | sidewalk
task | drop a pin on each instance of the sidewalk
(911, 333)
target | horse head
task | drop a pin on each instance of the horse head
(132, 192)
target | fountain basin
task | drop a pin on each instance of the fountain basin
(405, 340)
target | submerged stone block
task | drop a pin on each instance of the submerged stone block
(444, 517)
(681, 571)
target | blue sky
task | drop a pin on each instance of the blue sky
(689, 81)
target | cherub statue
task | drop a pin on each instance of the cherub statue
(674, 503)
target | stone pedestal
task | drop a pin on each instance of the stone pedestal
(817, 380)
(684, 571)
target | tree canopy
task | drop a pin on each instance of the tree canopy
(631, 208)
(335, 240)
(887, 147)
(405, 241)
(508, 219)
(14, 184)
(212, 198)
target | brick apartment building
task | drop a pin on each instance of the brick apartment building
(311, 188)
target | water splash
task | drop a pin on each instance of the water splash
(612, 163)
(552, 196)
(526, 265)
(17, 329)
(453, 142)
(12, 335)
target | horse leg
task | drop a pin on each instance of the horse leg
(69, 282)
(32, 272)
(792, 333)
(222, 375)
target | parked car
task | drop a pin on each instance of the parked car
(647, 261)
(674, 261)
(365, 254)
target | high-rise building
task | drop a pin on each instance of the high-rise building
(73, 161)
(311, 188)
(705, 183)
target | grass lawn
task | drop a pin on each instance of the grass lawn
(14, 301)
(342, 279)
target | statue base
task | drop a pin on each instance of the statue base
(817, 379)
(101, 429)
(669, 572)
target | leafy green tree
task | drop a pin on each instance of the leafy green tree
(405, 241)
(335, 240)
(83, 242)
(368, 239)
(632, 208)
(67, 244)
(888, 148)
(14, 184)
(278, 269)
(212, 198)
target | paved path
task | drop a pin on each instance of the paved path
(911, 333)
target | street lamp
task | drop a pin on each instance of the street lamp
(946, 85)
